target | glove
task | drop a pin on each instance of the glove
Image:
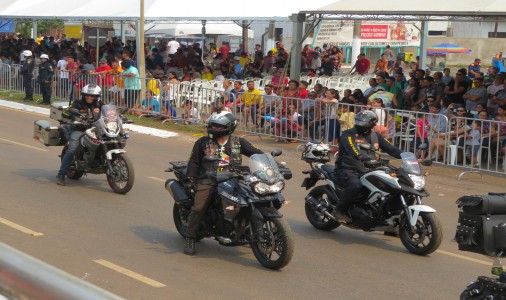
(364, 158)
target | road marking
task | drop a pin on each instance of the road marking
(487, 263)
(24, 145)
(129, 273)
(157, 179)
(20, 228)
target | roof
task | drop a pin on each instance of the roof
(155, 10)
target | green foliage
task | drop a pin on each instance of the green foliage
(44, 27)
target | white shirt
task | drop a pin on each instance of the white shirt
(173, 46)
(61, 65)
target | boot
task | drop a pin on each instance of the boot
(60, 180)
(189, 249)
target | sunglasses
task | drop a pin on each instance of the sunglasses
(460, 110)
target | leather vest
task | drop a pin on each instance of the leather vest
(230, 152)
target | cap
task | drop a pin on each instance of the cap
(87, 68)
(103, 60)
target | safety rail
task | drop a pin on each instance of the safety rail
(24, 277)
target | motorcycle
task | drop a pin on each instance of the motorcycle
(101, 149)
(244, 209)
(390, 201)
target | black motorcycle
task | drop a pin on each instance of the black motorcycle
(101, 149)
(391, 200)
(244, 210)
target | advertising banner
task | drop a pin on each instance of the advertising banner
(372, 33)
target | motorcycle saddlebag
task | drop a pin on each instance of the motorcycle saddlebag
(176, 191)
(492, 204)
(47, 133)
(484, 234)
(56, 111)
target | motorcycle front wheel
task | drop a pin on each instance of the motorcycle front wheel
(316, 218)
(274, 249)
(121, 177)
(425, 237)
(72, 172)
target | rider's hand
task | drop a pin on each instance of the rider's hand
(364, 158)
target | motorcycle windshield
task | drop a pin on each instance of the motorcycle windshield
(410, 163)
(109, 113)
(264, 167)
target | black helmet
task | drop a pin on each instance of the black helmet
(223, 119)
(365, 120)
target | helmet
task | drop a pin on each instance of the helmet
(91, 89)
(224, 119)
(44, 56)
(316, 152)
(365, 120)
(27, 53)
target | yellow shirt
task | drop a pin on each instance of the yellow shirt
(253, 97)
(152, 85)
(207, 76)
(118, 80)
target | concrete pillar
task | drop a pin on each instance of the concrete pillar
(270, 43)
(295, 52)
(423, 45)
(245, 41)
(34, 29)
(355, 42)
(122, 30)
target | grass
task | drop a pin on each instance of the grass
(148, 122)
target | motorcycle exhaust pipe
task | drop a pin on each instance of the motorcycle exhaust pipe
(319, 207)
(176, 191)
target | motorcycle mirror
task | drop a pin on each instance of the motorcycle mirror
(210, 158)
(365, 146)
(276, 152)
(427, 162)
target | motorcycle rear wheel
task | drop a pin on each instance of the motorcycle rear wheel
(316, 218)
(274, 249)
(426, 236)
(72, 173)
(180, 215)
(121, 180)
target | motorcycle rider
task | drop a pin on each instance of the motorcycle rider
(89, 105)
(46, 72)
(352, 160)
(27, 72)
(228, 148)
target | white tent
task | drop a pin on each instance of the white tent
(156, 10)
(194, 29)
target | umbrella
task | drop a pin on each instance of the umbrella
(447, 48)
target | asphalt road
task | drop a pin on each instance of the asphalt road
(127, 244)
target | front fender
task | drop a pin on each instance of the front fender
(109, 153)
(415, 210)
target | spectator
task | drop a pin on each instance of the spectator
(422, 132)
(347, 118)
(473, 139)
(389, 56)
(497, 62)
(148, 105)
(236, 68)
(474, 68)
(362, 65)
(333, 127)
(456, 89)
(252, 101)
(381, 64)
(191, 114)
(132, 83)
(446, 76)
(279, 82)
(476, 95)
(374, 87)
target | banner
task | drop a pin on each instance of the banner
(7, 25)
(372, 33)
(73, 30)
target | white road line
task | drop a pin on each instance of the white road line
(20, 228)
(24, 145)
(129, 273)
(157, 179)
(487, 263)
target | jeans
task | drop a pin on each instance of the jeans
(73, 138)
(201, 202)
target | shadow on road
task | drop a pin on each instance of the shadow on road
(173, 243)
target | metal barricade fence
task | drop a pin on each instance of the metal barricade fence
(5, 77)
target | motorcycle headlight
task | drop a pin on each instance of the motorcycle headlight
(419, 181)
(112, 126)
(263, 188)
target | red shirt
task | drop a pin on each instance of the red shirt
(107, 79)
(363, 65)
(303, 93)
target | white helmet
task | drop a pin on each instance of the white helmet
(91, 89)
(44, 56)
(316, 152)
(27, 53)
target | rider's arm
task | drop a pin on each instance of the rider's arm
(248, 149)
(349, 146)
(195, 160)
(387, 147)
